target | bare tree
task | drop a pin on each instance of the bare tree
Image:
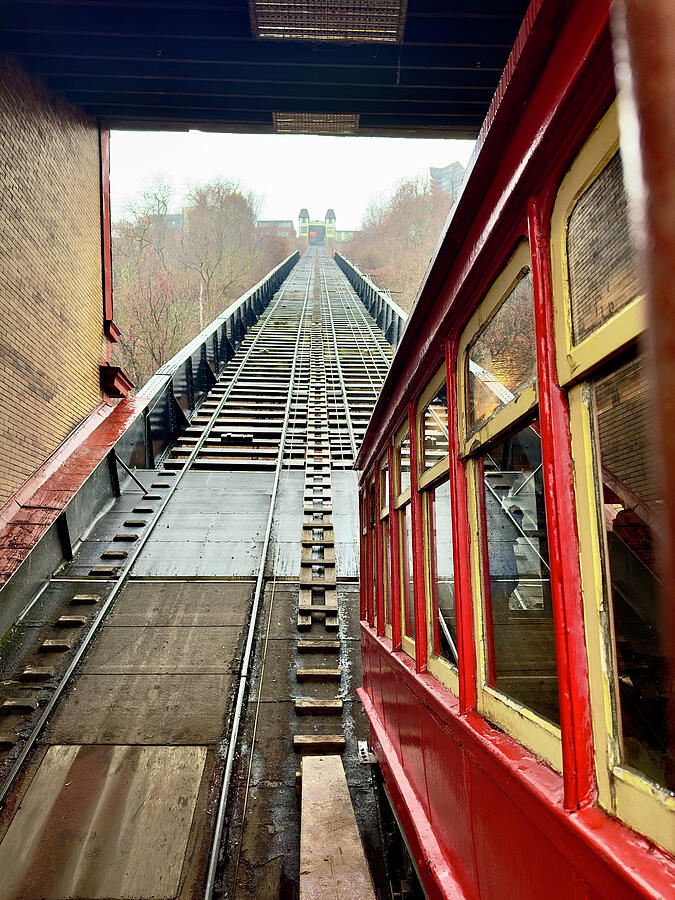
(170, 279)
(398, 237)
(219, 242)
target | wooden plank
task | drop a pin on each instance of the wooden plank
(329, 596)
(304, 674)
(304, 621)
(320, 609)
(318, 707)
(332, 861)
(309, 646)
(321, 743)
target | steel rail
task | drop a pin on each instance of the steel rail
(247, 656)
(362, 311)
(360, 338)
(343, 386)
(305, 356)
(105, 607)
(351, 322)
(330, 377)
(359, 305)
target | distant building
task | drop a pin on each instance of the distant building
(171, 220)
(303, 223)
(281, 227)
(321, 232)
(448, 179)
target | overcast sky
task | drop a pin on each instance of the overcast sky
(286, 172)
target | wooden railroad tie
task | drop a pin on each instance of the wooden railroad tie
(312, 707)
(309, 674)
(85, 599)
(309, 646)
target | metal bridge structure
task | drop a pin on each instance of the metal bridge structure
(165, 683)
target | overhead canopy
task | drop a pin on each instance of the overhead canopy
(369, 67)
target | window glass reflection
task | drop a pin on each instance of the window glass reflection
(520, 651)
(631, 507)
(404, 457)
(502, 359)
(407, 586)
(386, 566)
(602, 270)
(441, 573)
(384, 485)
(435, 424)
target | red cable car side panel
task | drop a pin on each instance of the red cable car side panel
(482, 816)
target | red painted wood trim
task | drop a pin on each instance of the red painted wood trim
(460, 542)
(395, 555)
(363, 582)
(106, 235)
(563, 546)
(429, 856)
(369, 565)
(418, 546)
(486, 585)
(381, 574)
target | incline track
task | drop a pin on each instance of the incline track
(258, 419)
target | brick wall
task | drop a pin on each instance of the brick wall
(50, 273)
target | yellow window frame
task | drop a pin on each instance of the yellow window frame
(372, 536)
(386, 548)
(426, 476)
(445, 671)
(407, 642)
(543, 738)
(384, 500)
(516, 268)
(440, 668)
(402, 498)
(624, 792)
(575, 360)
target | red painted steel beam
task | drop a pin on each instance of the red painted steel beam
(47, 493)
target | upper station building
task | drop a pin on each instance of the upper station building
(321, 232)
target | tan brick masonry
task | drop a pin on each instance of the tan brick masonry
(50, 273)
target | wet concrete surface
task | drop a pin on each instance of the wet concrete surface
(119, 842)
(147, 650)
(201, 603)
(213, 527)
(262, 847)
(142, 709)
